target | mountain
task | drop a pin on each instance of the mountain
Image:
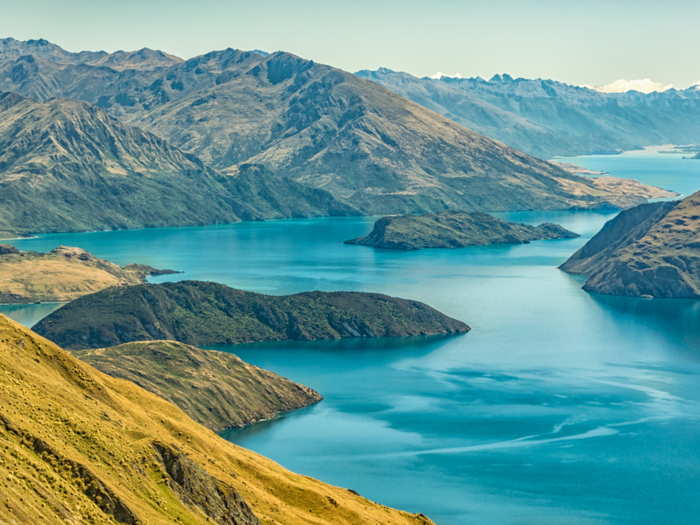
(68, 166)
(204, 313)
(546, 118)
(652, 250)
(79, 446)
(63, 274)
(318, 126)
(454, 229)
(216, 389)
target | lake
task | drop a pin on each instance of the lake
(559, 407)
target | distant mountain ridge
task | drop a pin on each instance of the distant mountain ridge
(316, 125)
(546, 118)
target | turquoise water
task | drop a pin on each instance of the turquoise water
(559, 407)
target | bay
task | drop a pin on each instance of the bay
(560, 407)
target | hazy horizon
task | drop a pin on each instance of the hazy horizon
(595, 44)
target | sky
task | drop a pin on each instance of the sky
(582, 42)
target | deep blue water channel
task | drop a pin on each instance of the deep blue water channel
(559, 407)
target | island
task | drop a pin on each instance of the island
(216, 389)
(63, 274)
(652, 250)
(205, 313)
(454, 229)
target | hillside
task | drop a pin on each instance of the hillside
(68, 166)
(546, 118)
(652, 250)
(204, 313)
(319, 126)
(454, 229)
(216, 389)
(63, 274)
(79, 446)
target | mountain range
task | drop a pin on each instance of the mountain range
(546, 118)
(203, 122)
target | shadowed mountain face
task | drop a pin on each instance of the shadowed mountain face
(546, 118)
(316, 125)
(68, 166)
(651, 250)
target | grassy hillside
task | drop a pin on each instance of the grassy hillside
(651, 250)
(62, 275)
(79, 446)
(216, 389)
(68, 166)
(454, 229)
(205, 313)
(319, 126)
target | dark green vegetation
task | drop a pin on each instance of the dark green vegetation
(216, 389)
(204, 313)
(454, 229)
(308, 122)
(652, 250)
(68, 166)
(546, 118)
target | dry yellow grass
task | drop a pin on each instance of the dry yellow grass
(60, 276)
(66, 428)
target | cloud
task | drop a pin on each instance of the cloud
(440, 74)
(641, 85)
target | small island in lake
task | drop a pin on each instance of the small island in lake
(652, 250)
(63, 274)
(216, 389)
(204, 313)
(454, 229)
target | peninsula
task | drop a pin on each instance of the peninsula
(454, 229)
(62, 275)
(205, 313)
(651, 250)
(216, 389)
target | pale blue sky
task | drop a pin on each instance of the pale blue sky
(579, 42)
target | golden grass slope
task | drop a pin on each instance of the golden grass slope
(73, 439)
(217, 389)
(62, 275)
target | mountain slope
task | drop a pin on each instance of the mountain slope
(216, 389)
(79, 446)
(454, 229)
(652, 250)
(68, 166)
(546, 118)
(319, 126)
(205, 313)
